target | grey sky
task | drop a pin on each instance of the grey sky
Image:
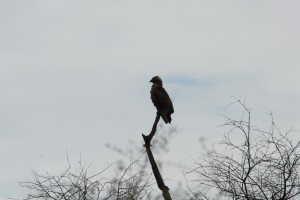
(74, 75)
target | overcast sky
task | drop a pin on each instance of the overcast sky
(74, 75)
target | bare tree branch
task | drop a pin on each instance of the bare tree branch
(160, 183)
(264, 166)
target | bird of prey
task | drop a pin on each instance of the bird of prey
(161, 99)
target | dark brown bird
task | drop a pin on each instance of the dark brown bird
(161, 99)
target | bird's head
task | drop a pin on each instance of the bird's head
(156, 80)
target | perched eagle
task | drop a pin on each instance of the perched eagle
(161, 99)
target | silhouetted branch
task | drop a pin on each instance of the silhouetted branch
(148, 138)
(265, 165)
(79, 185)
(160, 183)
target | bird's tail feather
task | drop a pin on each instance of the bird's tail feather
(167, 119)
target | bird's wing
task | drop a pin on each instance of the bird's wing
(165, 99)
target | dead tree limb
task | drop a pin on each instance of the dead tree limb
(160, 183)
